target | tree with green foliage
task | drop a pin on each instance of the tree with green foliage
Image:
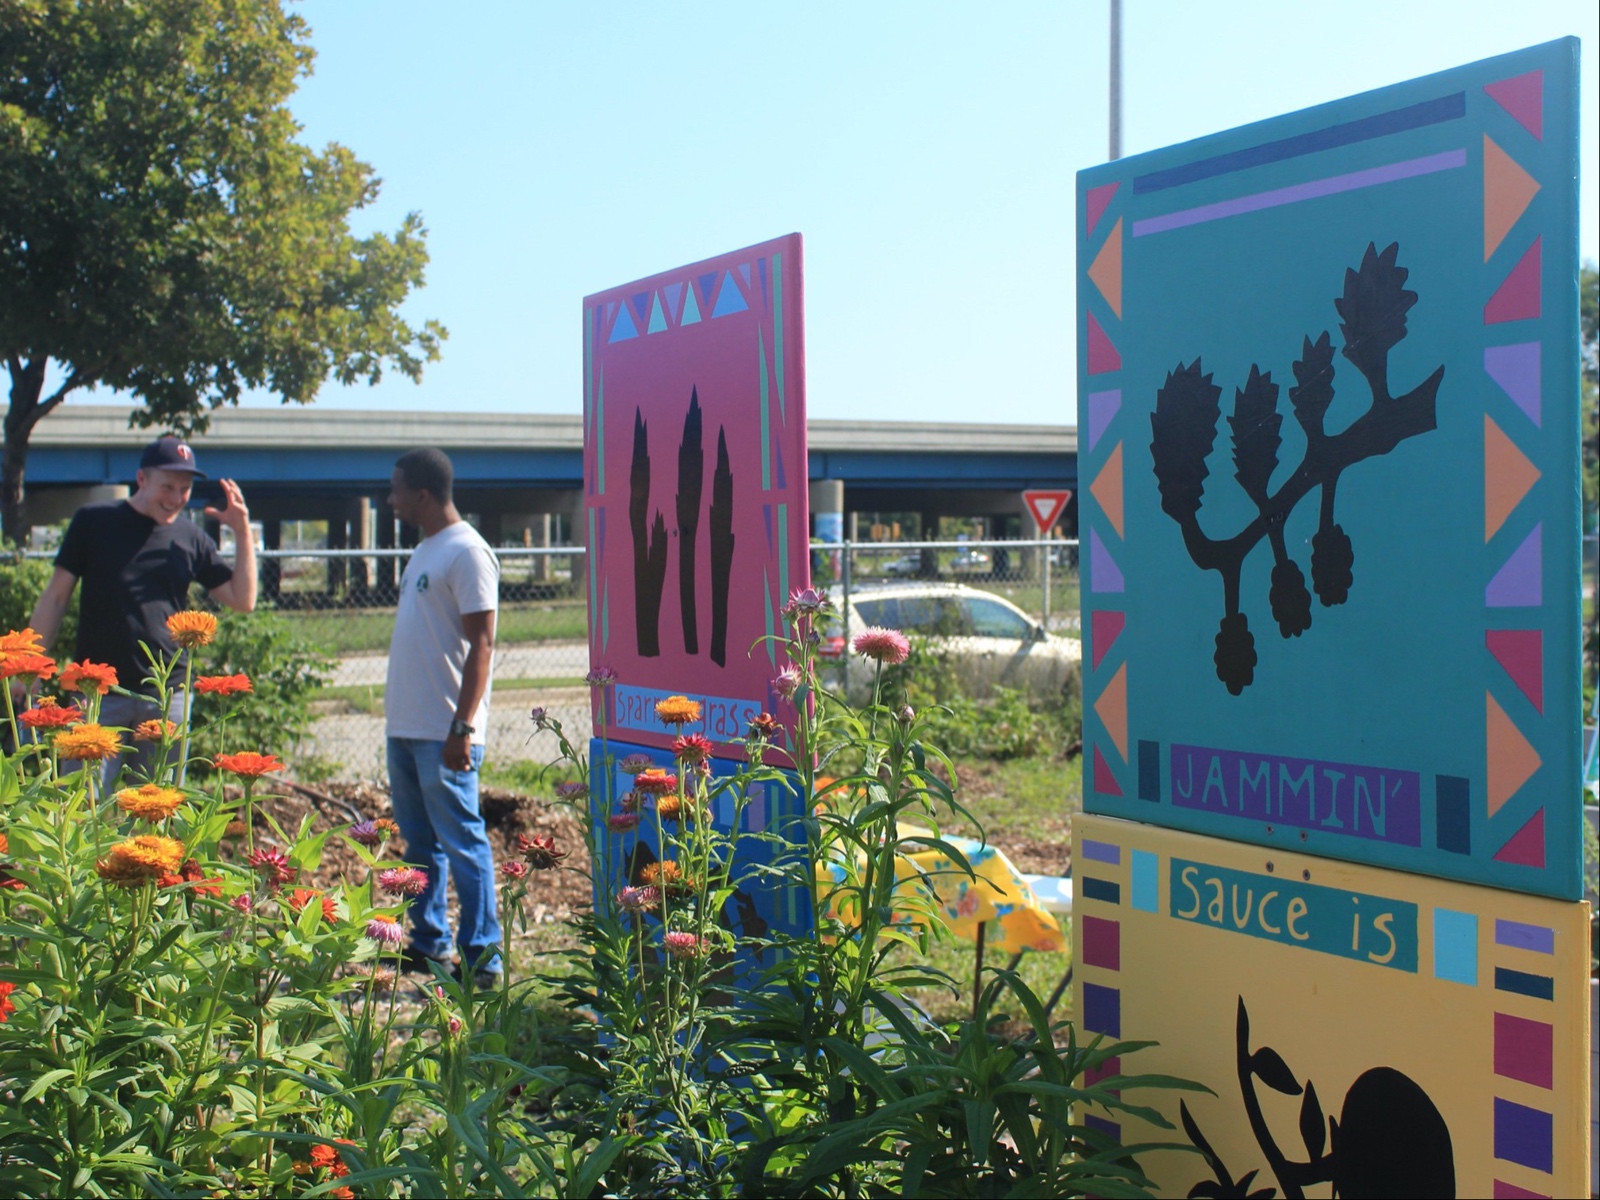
(162, 231)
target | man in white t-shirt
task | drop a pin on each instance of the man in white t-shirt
(436, 709)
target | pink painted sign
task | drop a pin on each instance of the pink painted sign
(695, 486)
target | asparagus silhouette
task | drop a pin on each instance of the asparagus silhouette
(691, 466)
(649, 549)
(721, 533)
(1184, 430)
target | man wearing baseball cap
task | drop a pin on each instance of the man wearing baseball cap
(137, 559)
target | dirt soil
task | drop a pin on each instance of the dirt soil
(553, 895)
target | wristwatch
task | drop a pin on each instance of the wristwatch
(459, 728)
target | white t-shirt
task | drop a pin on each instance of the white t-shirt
(451, 573)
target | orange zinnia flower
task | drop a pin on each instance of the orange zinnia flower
(92, 742)
(154, 730)
(249, 765)
(677, 710)
(191, 873)
(89, 677)
(50, 715)
(192, 629)
(6, 1007)
(223, 685)
(150, 802)
(21, 641)
(671, 808)
(26, 665)
(668, 876)
(300, 897)
(141, 859)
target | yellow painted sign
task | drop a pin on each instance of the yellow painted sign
(1366, 1032)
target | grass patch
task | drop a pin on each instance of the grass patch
(368, 697)
(340, 631)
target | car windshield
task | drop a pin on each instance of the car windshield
(933, 616)
(990, 618)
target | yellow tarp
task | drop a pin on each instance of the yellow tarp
(999, 897)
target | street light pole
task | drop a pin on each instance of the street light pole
(1116, 79)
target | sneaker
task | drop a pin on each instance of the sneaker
(415, 962)
(483, 981)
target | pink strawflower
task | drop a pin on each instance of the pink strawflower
(243, 903)
(806, 602)
(887, 646)
(655, 782)
(403, 881)
(683, 945)
(635, 763)
(787, 682)
(273, 865)
(514, 870)
(571, 792)
(693, 748)
(454, 1025)
(640, 899)
(385, 931)
(622, 822)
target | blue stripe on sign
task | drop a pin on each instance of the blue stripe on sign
(1146, 881)
(1540, 987)
(1415, 116)
(1102, 889)
(1106, 852)
(1455, 946)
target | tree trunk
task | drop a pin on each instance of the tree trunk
(27, 382)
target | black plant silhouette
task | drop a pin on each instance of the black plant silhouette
(721, 533)
(691, 466)
(1184, 431)
(1388, 1140)
(649, 545)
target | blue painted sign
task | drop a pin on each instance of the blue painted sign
(1329, 418)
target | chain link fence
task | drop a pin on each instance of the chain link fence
(342, 602)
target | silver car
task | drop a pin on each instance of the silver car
(990, 641)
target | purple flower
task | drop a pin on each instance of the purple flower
(571, 791)
(539, 715)
(635, 763)
(787, 682)
(367, 834)
(600, 677)
(623, 822)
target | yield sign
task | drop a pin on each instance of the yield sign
(1046, 506)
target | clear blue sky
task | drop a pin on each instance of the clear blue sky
(927, 152)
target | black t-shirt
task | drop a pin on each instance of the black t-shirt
(136, 573)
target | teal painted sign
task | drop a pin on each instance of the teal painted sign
(1355, 925)
(1328, 409)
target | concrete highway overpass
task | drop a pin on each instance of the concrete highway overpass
(515, 472)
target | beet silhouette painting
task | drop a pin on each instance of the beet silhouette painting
(650, 539)
(1388, 1140)
(1184, 429)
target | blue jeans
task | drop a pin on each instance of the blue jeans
(437, 811)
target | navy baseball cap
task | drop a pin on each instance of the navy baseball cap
(169, 454)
